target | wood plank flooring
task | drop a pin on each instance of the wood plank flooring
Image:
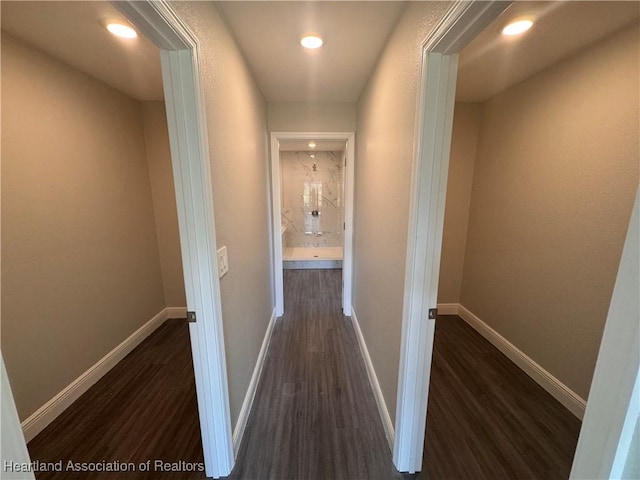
(487, 419)
(143, 409)
(314, 415)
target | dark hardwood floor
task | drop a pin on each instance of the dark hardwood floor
(489, 420)
(314, 415)
(143, 409)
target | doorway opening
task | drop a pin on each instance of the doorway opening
(312, 202)
(490, 203)
(107, 186)
(312, 206)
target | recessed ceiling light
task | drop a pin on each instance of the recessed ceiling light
(312, 145)
(517, 27)
(120, 30)
(311, 41)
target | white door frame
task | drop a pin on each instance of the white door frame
(436, 99)
(601, 452)
(184, 99)
(13, 446)
(189, 150)
(605, 442)
(276, 209)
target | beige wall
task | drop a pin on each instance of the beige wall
(236, 121)
(466, 125)
(311, 117)
(555, 178)
(384, 152)
(80, 262)
(164, 201)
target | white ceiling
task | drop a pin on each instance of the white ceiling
(492, 63)
(269, 33)
(74, 33)
(355, 33)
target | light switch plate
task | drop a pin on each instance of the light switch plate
(223, 261)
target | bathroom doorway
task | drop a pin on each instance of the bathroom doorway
(312, 206)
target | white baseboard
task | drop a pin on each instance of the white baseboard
(572, 401)
(46, 414)
(238, 432)
(375, 385)
(176, 312)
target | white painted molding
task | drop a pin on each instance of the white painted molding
(375, 385)
(432, 142)
(462, 23)
(572, 401)
(567, 397)
(176, 312)
(605, 446)
(424, 243)
(349, 199)
(189, 143)
(276, 208)
(276, 225)
(13, 446)
(146, 16)
(241, 425)
(46, 414)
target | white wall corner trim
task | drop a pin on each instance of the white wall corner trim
(424, 243)
(375, 385)
(14, 448)
(276, 211)
(606, 444)
(567, 397)
(188, 140)
(432, 142)
(46, 414)
(241, 425)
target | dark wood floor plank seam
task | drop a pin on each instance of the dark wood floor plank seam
(487, 419)
(314, 415)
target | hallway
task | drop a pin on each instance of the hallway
(314, 416)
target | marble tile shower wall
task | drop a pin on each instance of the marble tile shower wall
(312, 198)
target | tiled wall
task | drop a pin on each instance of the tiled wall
(312, 184)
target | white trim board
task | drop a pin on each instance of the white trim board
(14, 448)
(605, 446)
(47, 413)
(188, 140)
(375, 385)
(241, 424)
(432, 142)
(567, 397)
(276, 212)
